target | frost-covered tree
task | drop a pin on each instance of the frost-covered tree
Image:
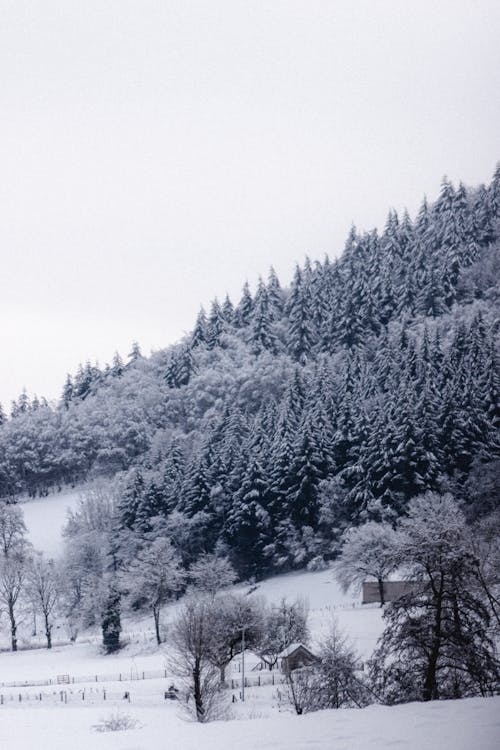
(437, 642)
(153, 578)
(43, 590)
(211, 573)
(237, 620)
(93, 560)
(367, 552)
(12, 529)
(334, 680)
(192, 638)
(284, 623)
(12, 582)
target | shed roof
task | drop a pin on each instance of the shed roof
(289, 650)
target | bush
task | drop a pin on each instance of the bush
(116, 722)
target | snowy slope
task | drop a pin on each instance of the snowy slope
(45, 518)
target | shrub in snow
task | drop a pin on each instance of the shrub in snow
(116, 722)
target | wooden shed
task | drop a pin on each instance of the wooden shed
(295, 656)
(392, 590)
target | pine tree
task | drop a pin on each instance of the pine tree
(199, 334)
(244, 310)
(67, 394)
(228, 311)
(261, 336)
(216, 326)
(300, 337)
(135, 353)
(274, 293)
(248, 528)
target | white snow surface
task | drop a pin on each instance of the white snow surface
(447, 725)
(45, 518)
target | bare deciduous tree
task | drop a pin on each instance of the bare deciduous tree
(12, 579)
(43, 590)
(193, 636)
(284, 624)
(211, 573)
(154, 578)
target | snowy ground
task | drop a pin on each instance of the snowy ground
(62, 714)
(45, 518)
(450, 725)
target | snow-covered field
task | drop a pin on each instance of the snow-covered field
(62, 714)
(451, 725)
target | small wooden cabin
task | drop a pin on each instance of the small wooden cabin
(392, 590)
(295, 656)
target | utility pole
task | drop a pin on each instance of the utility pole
(243, 663)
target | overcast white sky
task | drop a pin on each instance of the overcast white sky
(156, 154)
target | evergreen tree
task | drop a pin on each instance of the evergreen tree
(199, 334)
(300, 332)
(245, 307)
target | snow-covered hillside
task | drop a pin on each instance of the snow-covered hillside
(45, 518)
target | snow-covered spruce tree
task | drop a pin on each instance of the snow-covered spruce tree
(367, 552)
(437, 642)
(111, 616)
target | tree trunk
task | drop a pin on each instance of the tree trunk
(156, 615)
(222, 668)
(13, 628)
(198, 698)
(430, 689)
(381, 591)
(48, 632)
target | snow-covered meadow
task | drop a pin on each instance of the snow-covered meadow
(82, 686)
(447, 725)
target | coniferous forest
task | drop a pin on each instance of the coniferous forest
(289, 415)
